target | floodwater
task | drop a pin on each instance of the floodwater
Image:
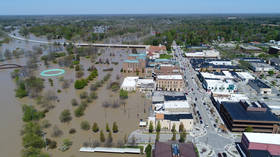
(127, 116)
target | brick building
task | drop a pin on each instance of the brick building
(135, 63)
(170, 83)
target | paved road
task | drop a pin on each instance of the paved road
(199, 97)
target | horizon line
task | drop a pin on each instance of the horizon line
(82, 14)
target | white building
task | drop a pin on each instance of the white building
(220, 76)
(221, 62)
(204, 54)
(134, 83)
(219, 86)
(261, 67)
(173, 106)
(129, 83)
(245, 76)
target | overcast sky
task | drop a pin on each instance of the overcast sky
(35, 7)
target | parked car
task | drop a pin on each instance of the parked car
(220, 155)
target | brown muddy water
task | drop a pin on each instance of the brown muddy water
(127, 117)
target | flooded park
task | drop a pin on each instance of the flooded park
(106, 108)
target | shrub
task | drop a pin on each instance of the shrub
(30, 114)
(74, 102)
(45, 124)
(65, 116)
(85, 125)
(123, 94)
(72, 131)
(80, 84)
(84, 95)
(95, 127)
(93, 95)
(148, 150)
(79, 111)
(115, 127)
(101, 136)
(151, 127)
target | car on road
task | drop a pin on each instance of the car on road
(206, 126)
(204, 103)
(201, 122)
(195, 99)
(215, 125)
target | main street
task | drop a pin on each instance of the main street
(200, 97)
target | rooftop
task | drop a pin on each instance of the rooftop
(170, 77)
(174, 97)
(129, 82)
(131, 61)
(259, 83)
(138, 55)
(177, 117)
(163, 149)
(238, 112)
(263, 138)
(245, 75)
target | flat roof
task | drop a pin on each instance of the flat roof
(170, 77)
(131, 61)
(263, 138)
(245, 75)
(237, 112)
(138, 55)
(259, 83)
(129, 82)
(111, 150)
(176, 104)
(174, 97)
(177, 117)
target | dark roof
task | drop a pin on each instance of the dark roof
(259, 153)
(252, 59)
(174, 98)
(177, 117)
(163, 149)
(238, 112)
(259, 83)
